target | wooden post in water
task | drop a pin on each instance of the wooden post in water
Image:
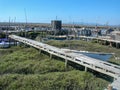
(14, 43)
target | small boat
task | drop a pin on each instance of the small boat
(4, 44)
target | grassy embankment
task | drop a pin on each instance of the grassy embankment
(25, 69)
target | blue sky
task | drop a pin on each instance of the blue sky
(87, 11)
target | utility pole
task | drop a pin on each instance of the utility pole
(14, 19)
(26, 21)
(14, 22)
(9, 21)
(8, 28)
(56, 17)
(7, 34)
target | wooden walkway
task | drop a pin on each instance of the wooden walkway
(88, 62)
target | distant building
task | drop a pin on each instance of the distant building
(56, 24)
(103, 32)
(95, 32)
(115, 35)
(110, 30)
(84, 32)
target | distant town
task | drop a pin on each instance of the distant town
(57, 29)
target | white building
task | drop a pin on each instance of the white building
(115, 35)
